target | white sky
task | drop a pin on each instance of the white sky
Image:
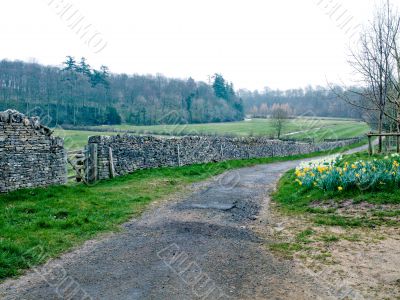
(254, 43)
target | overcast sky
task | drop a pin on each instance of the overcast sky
(254, 43)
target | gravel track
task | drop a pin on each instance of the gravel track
(202, 245)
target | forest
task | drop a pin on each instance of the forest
(310, 101)
(76, 94)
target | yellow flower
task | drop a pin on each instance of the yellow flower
(299, 182)
(354, 166)
(357, 175)
(345, 169)
(340, 188)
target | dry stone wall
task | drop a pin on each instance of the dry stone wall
(129, 153)
(29, 155)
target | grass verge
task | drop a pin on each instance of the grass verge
(326, 208)
(58, 218)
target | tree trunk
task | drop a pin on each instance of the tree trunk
(380, 128)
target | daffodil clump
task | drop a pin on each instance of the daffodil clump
(331, 174)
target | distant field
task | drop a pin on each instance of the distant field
(301, 128)
(307, 128)
(76, 139)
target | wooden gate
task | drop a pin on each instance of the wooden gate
(77, 160)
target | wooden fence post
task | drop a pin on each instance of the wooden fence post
(111, 162)
(179, 156)
(92, 170)
(370, 149)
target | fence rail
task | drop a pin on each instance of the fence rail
(385, 135)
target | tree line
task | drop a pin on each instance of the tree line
(77, 94)
(310, 101)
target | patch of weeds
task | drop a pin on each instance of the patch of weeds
(329, 238)
(335, 220)
(319, 210)
(286, 250)
(324, 257)
(384, 213)
(303, 237)
(352, 238)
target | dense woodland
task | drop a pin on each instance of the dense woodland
(76, 94)
(319, 101)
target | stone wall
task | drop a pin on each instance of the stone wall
(130, 153)
(29, 155)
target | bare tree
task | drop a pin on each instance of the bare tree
(280, 114)
(374, 61)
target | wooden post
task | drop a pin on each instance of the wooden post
(398, 144)
(93, 163)
(179, 156)
(370, 149)
(111, 162)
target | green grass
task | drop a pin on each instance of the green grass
(296, 199)
(300, 128)
(260, 127)
(77, 139)
(60, 217)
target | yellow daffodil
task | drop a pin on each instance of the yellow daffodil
(299, 182)
(340, 188)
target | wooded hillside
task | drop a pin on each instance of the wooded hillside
(76, 94)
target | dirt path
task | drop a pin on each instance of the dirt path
(202, 246)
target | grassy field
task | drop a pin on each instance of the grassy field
(77, 139)
(307, 127)
(60, 217)
(301, 128)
